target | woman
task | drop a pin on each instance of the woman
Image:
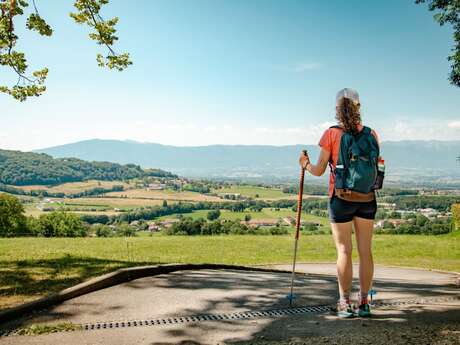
(345, 214)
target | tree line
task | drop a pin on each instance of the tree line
(28, 168)
(436, 202)
(45, 193)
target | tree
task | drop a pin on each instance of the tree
(87, 13)
(102, 230)
(448, 11)
(61, 224)
(456, 215)
(12, 219)
(421, 220)
(213, 215)
(247, 217)
(125, 230)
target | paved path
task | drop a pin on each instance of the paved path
(192, 293)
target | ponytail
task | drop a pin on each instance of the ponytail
(348, 115)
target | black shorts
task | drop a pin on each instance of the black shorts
(342, 211)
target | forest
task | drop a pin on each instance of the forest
(28, 168)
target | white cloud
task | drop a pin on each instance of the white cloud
(306, 66)
(454, 124)
(419, 130)
(298, 67)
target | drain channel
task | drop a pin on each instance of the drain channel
(249, 314)
(209, 317)
(319, 309)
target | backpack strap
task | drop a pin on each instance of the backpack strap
(330, 158)
(336, 126)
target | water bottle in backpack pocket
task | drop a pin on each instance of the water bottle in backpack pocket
(380, 174)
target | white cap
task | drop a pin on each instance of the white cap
(347, 93)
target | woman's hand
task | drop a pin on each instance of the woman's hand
(304, 159)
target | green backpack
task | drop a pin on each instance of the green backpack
(356, 168)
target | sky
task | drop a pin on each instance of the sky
(236, 72)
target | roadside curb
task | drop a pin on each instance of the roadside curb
(375, 265)
(114, 278)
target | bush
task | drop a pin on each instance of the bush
(213, 215)
(124, 230)
(310, 227)
(212, 228)
(102, 230)
(61, 224)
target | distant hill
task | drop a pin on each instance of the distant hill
(27, 168)
(415, 160)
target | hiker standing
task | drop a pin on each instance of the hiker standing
(352, 152)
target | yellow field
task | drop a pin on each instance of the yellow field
(164, 195)
(74, 187)
(112, 202)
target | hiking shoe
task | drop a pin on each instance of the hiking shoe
(364, 310)
(345, 310)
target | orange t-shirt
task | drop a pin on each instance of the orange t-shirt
(330, 141)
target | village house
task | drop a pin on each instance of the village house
(154, 227)
(255, 223)
(167, 223)
(156, 186)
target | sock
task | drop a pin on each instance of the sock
(363, 297)
(345, 299)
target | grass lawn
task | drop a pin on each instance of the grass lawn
(251, 191)
(34, 267)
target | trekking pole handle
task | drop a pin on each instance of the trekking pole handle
(305, 153)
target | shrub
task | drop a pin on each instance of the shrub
(102, 230)
(125, 230)
(61, 224)
(213, 215)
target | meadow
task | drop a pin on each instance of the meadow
(255, 192)
(266, 213)
(33, 267)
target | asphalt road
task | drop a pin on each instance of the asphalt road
(189, 293)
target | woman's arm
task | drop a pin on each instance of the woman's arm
(319, 168)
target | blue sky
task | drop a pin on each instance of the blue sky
(237, 72)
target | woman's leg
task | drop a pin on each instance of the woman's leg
(363, 232)
(342, 237)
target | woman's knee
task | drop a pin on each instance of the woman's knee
(344, 250)
(365, 253)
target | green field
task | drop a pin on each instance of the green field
(34, 267)
(266, 213)
(252, 191)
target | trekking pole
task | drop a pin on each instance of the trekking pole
(291, 296)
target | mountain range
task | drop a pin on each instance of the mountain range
(406, 161)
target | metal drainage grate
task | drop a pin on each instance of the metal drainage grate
(248, 314)
(257, 314)
(209, 317)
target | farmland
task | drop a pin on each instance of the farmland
(74, 187)
(163, 195)
(266, 213)
(254, 192)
